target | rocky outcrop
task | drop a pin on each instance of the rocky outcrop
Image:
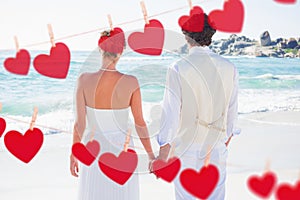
(242, 46)
(234, 45)
(265, 39)
(292, 43)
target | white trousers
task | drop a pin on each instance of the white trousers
(194, 159)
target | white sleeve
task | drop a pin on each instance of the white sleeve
(232, 114)
(171, 108)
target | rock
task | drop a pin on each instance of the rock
(282, 45)
(278, 40)
(292, 43)
(233, 37)
(265, 39)
(280, 52)
(241, 44)
(260, 54)
(289, 55)
(225, 44)
(274, 54)
(222, 52)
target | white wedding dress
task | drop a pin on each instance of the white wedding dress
(109, 128)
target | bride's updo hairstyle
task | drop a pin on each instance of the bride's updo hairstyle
(112, 43)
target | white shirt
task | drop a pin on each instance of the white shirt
(172, 104)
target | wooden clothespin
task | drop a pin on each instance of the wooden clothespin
(268, 165)
(17, 44)
(110, 22)
(190, 4)
(143, 6)
(207, 157)
(0, 106)
(51, 35)
(33, 119)
(127, 140)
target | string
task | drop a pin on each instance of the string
(106, 27)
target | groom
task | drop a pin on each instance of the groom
(199, 109)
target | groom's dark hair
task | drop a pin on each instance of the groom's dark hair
(202, 38)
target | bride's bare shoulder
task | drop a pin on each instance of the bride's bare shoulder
(132, 80)
(85, 78)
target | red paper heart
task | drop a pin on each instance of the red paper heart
(167, 170)
(86, 154)
(118, 169)
(19, 65)
(262, 186)
(26, 146)
(2, 126)
(201, 184)
(230, 19)
(57, 64)
(286, 1)
(113, 43)
(288, 192)
(194, 22)
(149, 42)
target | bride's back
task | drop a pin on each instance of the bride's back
(108, 90)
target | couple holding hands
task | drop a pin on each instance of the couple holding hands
(199, 113)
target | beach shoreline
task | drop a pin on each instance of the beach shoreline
(270, 135)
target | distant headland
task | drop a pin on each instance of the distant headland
(264, 47)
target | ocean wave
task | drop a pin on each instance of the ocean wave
(273, 77)
(53, 122)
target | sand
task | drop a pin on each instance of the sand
(273, 135)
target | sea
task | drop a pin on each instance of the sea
(265, 85)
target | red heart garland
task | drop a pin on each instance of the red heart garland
(26, 146)
(288, 192)
(2, 126)
(262, 186)
(57, 64)
(19, 65)
(113, 43)
(230, 19)
(201, 184)
(286, 1)
(86, 154)
(167, 170)
(119, 169)
(151, 41)
(194, 22)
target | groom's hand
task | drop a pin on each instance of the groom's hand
(164, 152)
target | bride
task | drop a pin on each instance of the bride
(103, 100)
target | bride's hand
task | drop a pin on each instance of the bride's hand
(150, 166)
(151, 158)
(74, 166)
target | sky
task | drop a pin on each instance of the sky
(28, 19)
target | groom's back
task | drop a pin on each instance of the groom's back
(206, 85)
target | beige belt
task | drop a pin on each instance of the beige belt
(212, 124)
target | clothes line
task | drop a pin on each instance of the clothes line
(107, 27)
